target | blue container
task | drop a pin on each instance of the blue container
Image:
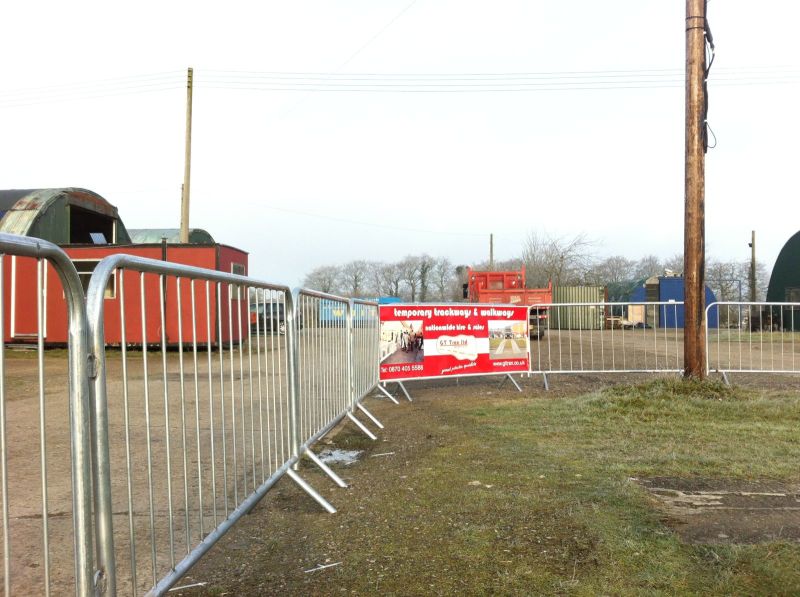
(334, 312)
(673, 289)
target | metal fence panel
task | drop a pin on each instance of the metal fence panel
(324, 358)
(753, 337)
(45, 480)
(192, 429)
(621, 346)
(366, 347)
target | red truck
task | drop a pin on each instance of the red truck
(509, 288)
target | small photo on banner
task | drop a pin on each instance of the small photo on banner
(507, 339)
(403, 341)
(428, 341)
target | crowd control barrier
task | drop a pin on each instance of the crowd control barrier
(599, 338)
(753, 337)
(195, 425)
(45, 434)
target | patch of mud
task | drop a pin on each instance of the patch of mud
(338, 456)
(722, 511)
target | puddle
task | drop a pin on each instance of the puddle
(727, 511)
(337, 456)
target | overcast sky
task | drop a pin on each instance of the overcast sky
(372, 129)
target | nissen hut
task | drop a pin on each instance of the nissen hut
(88, 228)
(784, 286)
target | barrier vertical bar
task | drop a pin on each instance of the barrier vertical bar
(213, 437)
(349, 335)
(293, 317)
(186, 522)
(3, 454)
(167, 433)
(42, 429)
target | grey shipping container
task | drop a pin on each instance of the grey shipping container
(585, 317)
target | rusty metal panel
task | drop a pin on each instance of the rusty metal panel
(44, 213)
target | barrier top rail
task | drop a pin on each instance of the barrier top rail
(80, 440)
(321, 295)
(752, 304)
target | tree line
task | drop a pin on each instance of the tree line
(566, 261)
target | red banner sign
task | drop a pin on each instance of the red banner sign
(419, 341)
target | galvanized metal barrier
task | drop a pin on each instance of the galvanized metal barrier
(608, 337)
(333, 375)
(45, 447)
(753, 337)
(366, 347)
(198, 422)
(194, 425)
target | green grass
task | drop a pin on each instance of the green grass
(747, 337)
(501, 494)
(579, 453)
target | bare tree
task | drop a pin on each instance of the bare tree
(674, 264)
(611, 270)
(374, 277)
(565, 261)
(499, 266)
(426, 265)
(443, 275)
(353, 278)
(391, 279)
(648, 266)
(730, 279)
(324, 279)
(409, 274)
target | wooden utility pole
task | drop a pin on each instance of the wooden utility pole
(187, 168)
(694, 349)
(753, 267)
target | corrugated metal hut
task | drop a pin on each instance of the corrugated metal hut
(89, 229)
(669, 289)
(784, 284)
(61, 216)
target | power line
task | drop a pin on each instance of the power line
(130, 85)
(368, 224)
(501, 82)
(102, 83)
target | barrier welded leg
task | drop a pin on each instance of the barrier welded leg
(402, 387)
(725, 378)
(325, 468)
(387, 394)
(361, 426)
(310, 491)
(509, 377)
(371, 416)
(546, 384)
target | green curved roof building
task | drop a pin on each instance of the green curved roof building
(784, 283)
